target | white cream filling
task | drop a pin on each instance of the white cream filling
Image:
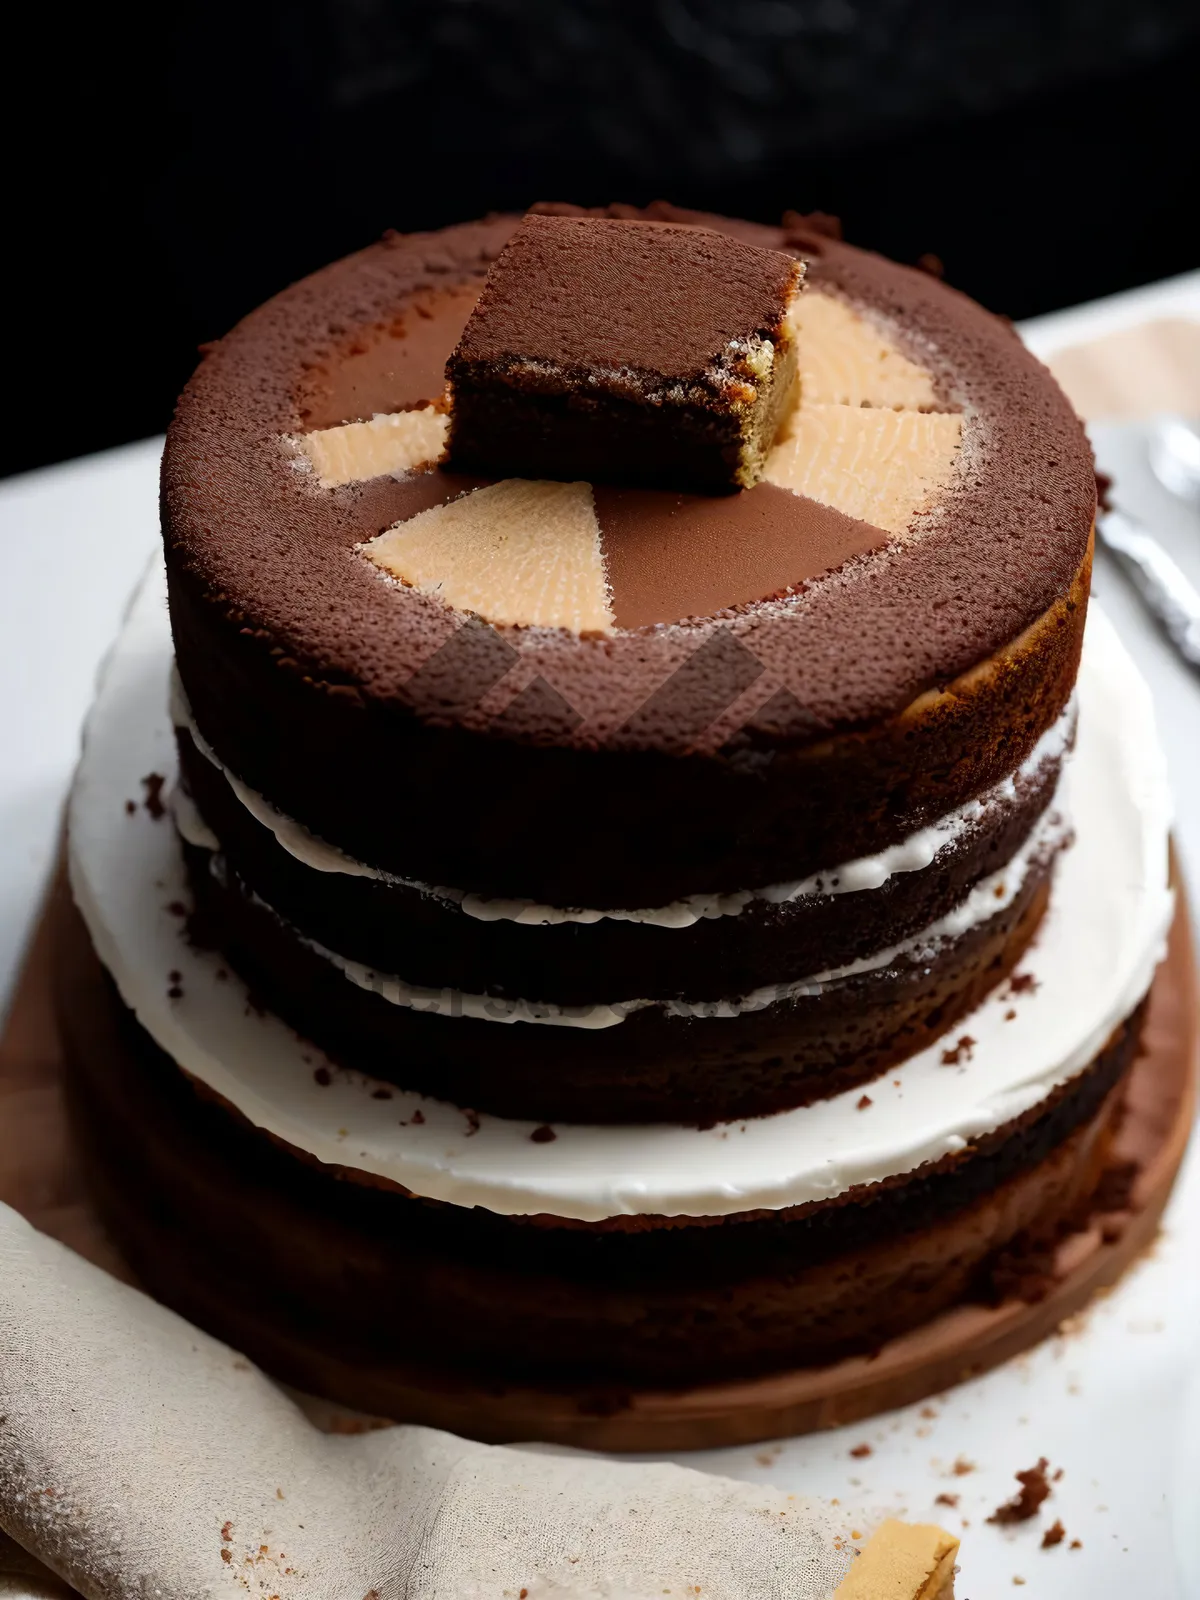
(1093, 960)
(986, 899)
(912, 854)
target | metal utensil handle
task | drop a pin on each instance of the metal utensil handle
(1166, 590)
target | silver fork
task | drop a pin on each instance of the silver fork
(1167, 592)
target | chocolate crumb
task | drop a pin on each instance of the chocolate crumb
(175, 992)
(1057, 1476)
(130, 807)
(933, 265)
(1023, 983)
(950, 1500)
(1054, 1534)
(226, 1555)
(962, 1466)
(1009, 1015)
(177, 908)
(1025, 1503)
(381, 1094)
(153, 784)
(543, 1135)
(861, 1450)
(1103, 492)
(955, 1055)
(1075, 1544)
(418, 1116)
(865, 1102)
(1114, 1192)
(472, 1122)
(323, 1076)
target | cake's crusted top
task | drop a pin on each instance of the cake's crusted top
(631, 306)
(845, 610)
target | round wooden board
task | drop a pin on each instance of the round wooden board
(39, 1174)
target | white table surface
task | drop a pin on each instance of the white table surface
(1109, 1402)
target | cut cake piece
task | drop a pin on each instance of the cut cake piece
(640, 353)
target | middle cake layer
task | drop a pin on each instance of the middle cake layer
(710, 1009)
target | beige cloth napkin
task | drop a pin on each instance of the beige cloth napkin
(140, 1458)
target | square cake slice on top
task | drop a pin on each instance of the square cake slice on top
(629, 352)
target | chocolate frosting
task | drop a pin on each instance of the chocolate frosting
(858, 640)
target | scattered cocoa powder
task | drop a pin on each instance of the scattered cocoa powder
(1035, 1488)
(957, 1053)
(153, 784)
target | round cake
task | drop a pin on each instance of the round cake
(648, 928)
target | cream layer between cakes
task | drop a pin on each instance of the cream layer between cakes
(913, 854)
(1093, 960)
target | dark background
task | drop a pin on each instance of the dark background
(167, 176)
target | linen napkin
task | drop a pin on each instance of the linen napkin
(139, 1457)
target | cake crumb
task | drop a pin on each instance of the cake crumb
(860, 1451)
(472, 1122)
(950, 1500)
(1020, 1582)
(928, 1411)
(418, 1116)
(226, 1532)
(957, 1053)
(543, 1135)
(1075, 1544)
(176, 908)
(1023, 983)
(323, 1076)
(130, 808)
(381, 1094)
(1010, 1015)
(153, 784)
(1054, 1534)
(962, 1466)
(865, 1102)
(1024, 1504)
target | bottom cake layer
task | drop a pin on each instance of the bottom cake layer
(247, 1236)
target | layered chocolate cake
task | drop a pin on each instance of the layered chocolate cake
(642, 900)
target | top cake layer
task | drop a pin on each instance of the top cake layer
(648, 712)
